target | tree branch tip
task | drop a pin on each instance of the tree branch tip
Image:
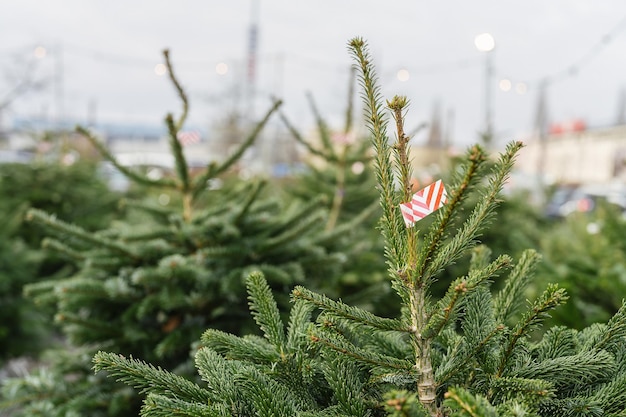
(398, 103)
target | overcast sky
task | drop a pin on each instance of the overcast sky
(103, 55)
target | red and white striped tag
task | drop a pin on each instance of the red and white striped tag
(188, 137)
(424, 202)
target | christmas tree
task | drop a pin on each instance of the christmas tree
(339, 168)
(150, 285)
(472, 352)
(587, 254)
(338, 164)
(76, 193)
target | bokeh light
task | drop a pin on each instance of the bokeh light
(221, 68)
(485, 42)
(160, 69)
(505, 85)
(40, 52)
(403, 75)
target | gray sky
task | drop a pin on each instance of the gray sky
(106, 52)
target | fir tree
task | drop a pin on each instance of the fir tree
(20, 324)
(338, 165)
(150, 285)
(469, 353)
(75, 193)
(339, 168)
(587, 254)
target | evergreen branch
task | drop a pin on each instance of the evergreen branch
(301, 211)
(611, 396)
(154, 210)
(377, 125)
(322, 128)
(350, 106)
(357, 155)
(161, 406)
(585, 368)
(91, 288)
(347, 227)
(461, 361)
(508, 300)
(466, 236)
(55, 224)
(403, 167)
(298, 230)
(402, 403)
(182, 169)
(342, 376)
(339, 344)
(300, 139)
(208, 215)
(476, 157)
(511, 387)
(218, 373)
(261, 392)
(299, 322)
(557, 341)
(149, 379)
(216, 252)
(348, 312)
(179, 90)
(129, 173)
(89, 326)
(551, 298)
(473, 350)
(214, 170)
(467, 404)
(457, 291)
(285, 274)
(240, 348)
(339, 192)
(62, 248)
(148, 235)
(572, 407)
(249, 200)
(265, 310)
(613, 334)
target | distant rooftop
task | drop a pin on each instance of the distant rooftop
(110, 129)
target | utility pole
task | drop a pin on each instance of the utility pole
(253, 39)
(541, 127)
(486, 43)
(59, 90)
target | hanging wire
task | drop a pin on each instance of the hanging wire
(577, 66)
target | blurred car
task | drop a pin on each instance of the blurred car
(13, 156)
(568, 199)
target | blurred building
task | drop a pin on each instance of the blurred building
(571, 153)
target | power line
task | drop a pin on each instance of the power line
(575, 68)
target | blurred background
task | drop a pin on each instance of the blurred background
(522, 70)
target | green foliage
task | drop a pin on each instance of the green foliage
(339, 168)
(587, 255)
(152, 282)
(20, 326)
(477, 350)
(277, 375)
(474, 352)
(77, 194)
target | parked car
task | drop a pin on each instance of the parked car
(568, 199)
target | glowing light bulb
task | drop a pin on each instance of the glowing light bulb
(403, 75)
